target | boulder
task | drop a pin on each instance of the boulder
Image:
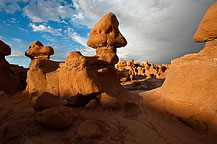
(47, 100)
(57, 117)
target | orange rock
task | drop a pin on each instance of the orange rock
(79, 79)
(207, 29)
(37, 49)
(190, 88)
(210, 49)
(105, 37)
(106, 33)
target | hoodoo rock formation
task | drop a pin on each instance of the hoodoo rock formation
(190, 89)
(80, 100)
(79, 79)
(105, 37)
(12, 77)
(134, 70)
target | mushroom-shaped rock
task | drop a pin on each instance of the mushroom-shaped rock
(38, 50)
(106, 33)
(4, 49)
(105, 37)
(207, 30)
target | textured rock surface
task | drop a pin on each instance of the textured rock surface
(106, 33)
(57, 117)
(79, 79)
(105, 37)
(89, 129)
(190, 88)
(207, 30)
(47, 100)
(37, 49)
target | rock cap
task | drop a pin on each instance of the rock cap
(106, 33)
(38, 49)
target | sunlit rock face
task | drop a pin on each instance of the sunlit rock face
(78, 79)
(207, 30)
(190, 89)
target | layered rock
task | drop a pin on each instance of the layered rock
(12, 77)
(190, 88)
(78, 79)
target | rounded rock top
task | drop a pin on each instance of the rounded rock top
(207, 30)
(106, 33)
(38, 49)
(4, 49)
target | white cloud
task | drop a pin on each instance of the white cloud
(47, 10)
(156, 30)
(10, 6)
(44, 28)
(76, 37)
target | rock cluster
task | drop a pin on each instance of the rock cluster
(133, 70)
(190, 88)
(79, 80)
(12, 77)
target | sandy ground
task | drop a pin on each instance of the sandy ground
(134, 124)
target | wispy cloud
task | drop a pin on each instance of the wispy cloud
(76, 37)
(44, 28)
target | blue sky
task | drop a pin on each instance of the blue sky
(156, 30)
